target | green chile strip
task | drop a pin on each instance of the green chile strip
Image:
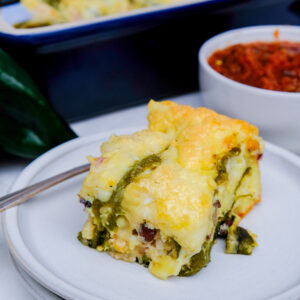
(201, 259)
(245, 241)
(239, 241)
(101, 234)
(247, 172)
(221, 165)
(149, 162)
(198, 261)
(53, 3)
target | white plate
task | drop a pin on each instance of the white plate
(33, 287)
(42, 237)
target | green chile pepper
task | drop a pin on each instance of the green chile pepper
(28, 124)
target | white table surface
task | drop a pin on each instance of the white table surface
(11, 286)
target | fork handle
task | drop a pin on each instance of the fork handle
(22, 195)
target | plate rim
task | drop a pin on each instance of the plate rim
(32, 266)
(34, 288)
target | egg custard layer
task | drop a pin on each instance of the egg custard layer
(161, 196)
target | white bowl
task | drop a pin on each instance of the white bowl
(277, 114)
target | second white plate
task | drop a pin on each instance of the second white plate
(42, 237)
(36, 290)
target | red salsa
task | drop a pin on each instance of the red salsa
(272, 66)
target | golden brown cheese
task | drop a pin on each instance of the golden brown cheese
(201, 134)
(205, 175)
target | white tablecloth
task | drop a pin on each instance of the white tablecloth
(10, 284)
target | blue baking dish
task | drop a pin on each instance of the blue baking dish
(123, 23)
(92, 67)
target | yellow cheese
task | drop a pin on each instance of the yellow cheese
(208, 169)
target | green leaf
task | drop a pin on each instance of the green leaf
(28, 124)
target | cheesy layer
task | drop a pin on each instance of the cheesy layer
(48, 12)
(162, 195)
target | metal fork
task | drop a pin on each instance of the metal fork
(23, 195)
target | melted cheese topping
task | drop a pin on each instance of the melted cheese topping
(118, 155)
(177, 197)
(180, 203)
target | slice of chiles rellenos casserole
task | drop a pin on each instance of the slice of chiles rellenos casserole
(161, 196)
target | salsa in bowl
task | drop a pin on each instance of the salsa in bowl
(268, 65)
(276, 111)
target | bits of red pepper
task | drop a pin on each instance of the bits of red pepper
(86, 203)
(147, 233)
